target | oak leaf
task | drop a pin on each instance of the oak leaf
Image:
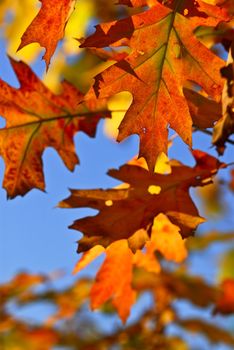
(226, 4)
(164, 55)
(124, 211)
(88, 257)
(114, 279)
(204, 111)
(135, 3)
(187, 7)
(147, 259)
(47, 28)
(36, 118)
(165, 238)
(200, 8)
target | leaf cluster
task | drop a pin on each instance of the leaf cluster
(164, 54)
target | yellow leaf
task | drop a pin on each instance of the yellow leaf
(167, 240)
(88, 257)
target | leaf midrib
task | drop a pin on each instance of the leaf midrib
(47, 120)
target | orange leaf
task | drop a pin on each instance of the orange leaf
(164, 55)
(225, 303)
(19, 285)
(35, 119)
(166, 239)
(201, 8)
(225, 4)
(47, 28)
(114, 280)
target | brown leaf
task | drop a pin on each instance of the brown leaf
(225, 126)
(205, 112)
(122, 212)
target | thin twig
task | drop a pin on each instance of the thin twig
(208, 132)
